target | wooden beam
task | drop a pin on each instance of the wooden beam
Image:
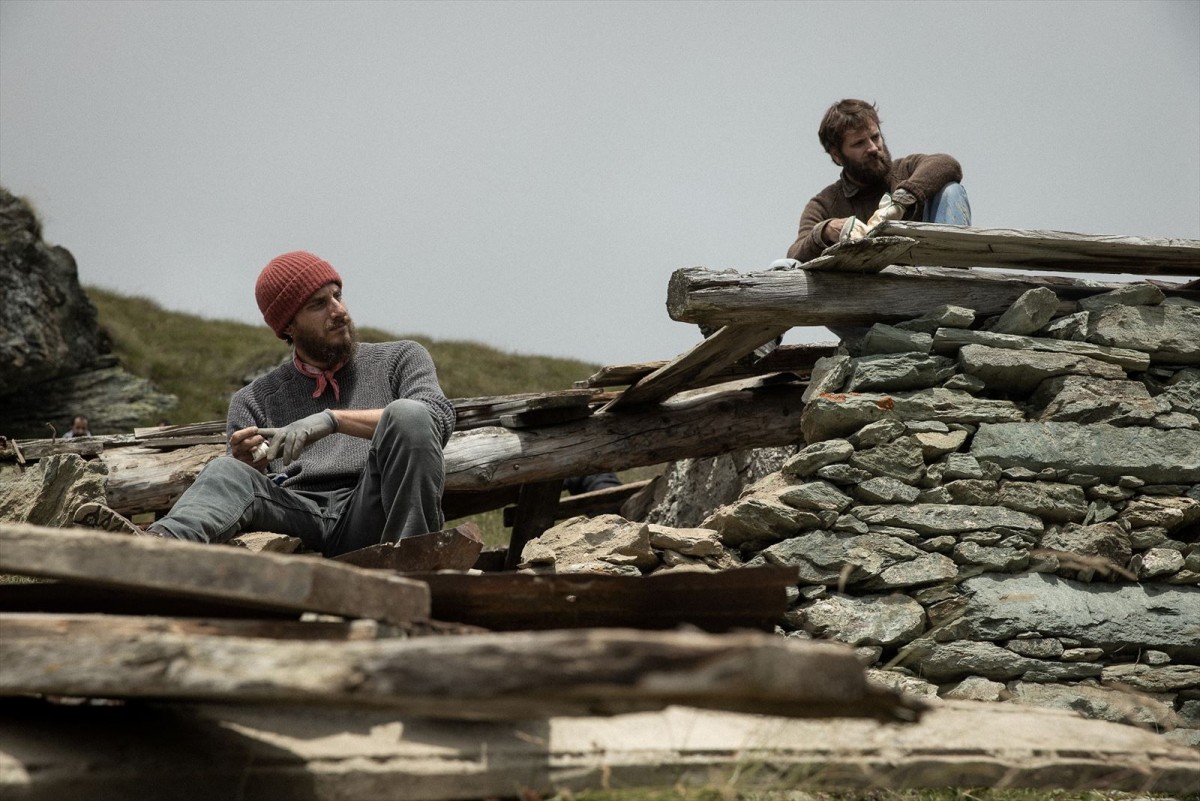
(203, 752)
(803, 298)
(477, 676)
(786, 358)
(210, 572)
(1057, 251)
(536, 505)
(707, 425)
(20, 626)
(745, 598)
(691, 369)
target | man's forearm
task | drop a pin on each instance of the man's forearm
(357, 422)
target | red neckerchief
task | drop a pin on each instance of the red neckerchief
(323, 377)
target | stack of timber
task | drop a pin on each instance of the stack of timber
(229, 673)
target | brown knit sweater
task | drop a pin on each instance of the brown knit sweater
(922, 175)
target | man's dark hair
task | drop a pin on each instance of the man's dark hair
(842, 116)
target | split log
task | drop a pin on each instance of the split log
(203, 752)
(801, 298)
(473, 676)
(797, 359)
(706, 425)
(744, 598)
(142, 478)
(1057, 251)
(211, 572)
(691, 369)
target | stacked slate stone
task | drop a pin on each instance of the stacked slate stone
(1005, 508)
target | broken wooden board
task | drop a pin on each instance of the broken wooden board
(264, 753)
(476, 412)
(691, 369)
(19, 626)
(210, 572)
(800, 297)
(451, 549)
(785, 358)
(471, 676)
(862, 256)
(745, 598)
(1057, 251)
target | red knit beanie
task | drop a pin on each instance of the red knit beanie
(287, 282)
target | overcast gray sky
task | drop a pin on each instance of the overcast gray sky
(528, 175)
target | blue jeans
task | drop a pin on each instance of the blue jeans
(950, 205)
(398, 495)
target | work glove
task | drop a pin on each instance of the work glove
(853, 230)
(287, 442)
(892, 206)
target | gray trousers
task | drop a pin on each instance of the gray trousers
(398, 495)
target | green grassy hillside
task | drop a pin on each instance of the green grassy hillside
(203, 361)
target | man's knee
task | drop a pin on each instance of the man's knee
(225, 468)
(950, 205)
(409, 420)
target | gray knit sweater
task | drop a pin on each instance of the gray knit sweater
(379, 373)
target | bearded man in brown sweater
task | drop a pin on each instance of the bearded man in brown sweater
(872, 187)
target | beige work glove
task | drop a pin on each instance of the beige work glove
(287, 442)
(892, 206)
(853, 230)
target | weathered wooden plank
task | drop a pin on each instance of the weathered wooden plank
(211, 572)
(951, 339)
(801, 297)
(476, 676)
(725, 600)
(66, 598)
(708, 357)
(451, 549)
(203, 752)
(785, 358)
(543, 417)
(1059, 251)
(536, 504)
(717, 422)
(18, 626)
(862, 256)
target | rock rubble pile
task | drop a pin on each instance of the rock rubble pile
(1001, 509)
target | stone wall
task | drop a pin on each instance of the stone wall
(1003, 509)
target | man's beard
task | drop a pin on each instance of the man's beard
(873, 169)
(326, 352)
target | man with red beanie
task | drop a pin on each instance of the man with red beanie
(341, 446)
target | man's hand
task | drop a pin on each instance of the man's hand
(892, 206)
(249, 445)
(850, 229)
(287, 442)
